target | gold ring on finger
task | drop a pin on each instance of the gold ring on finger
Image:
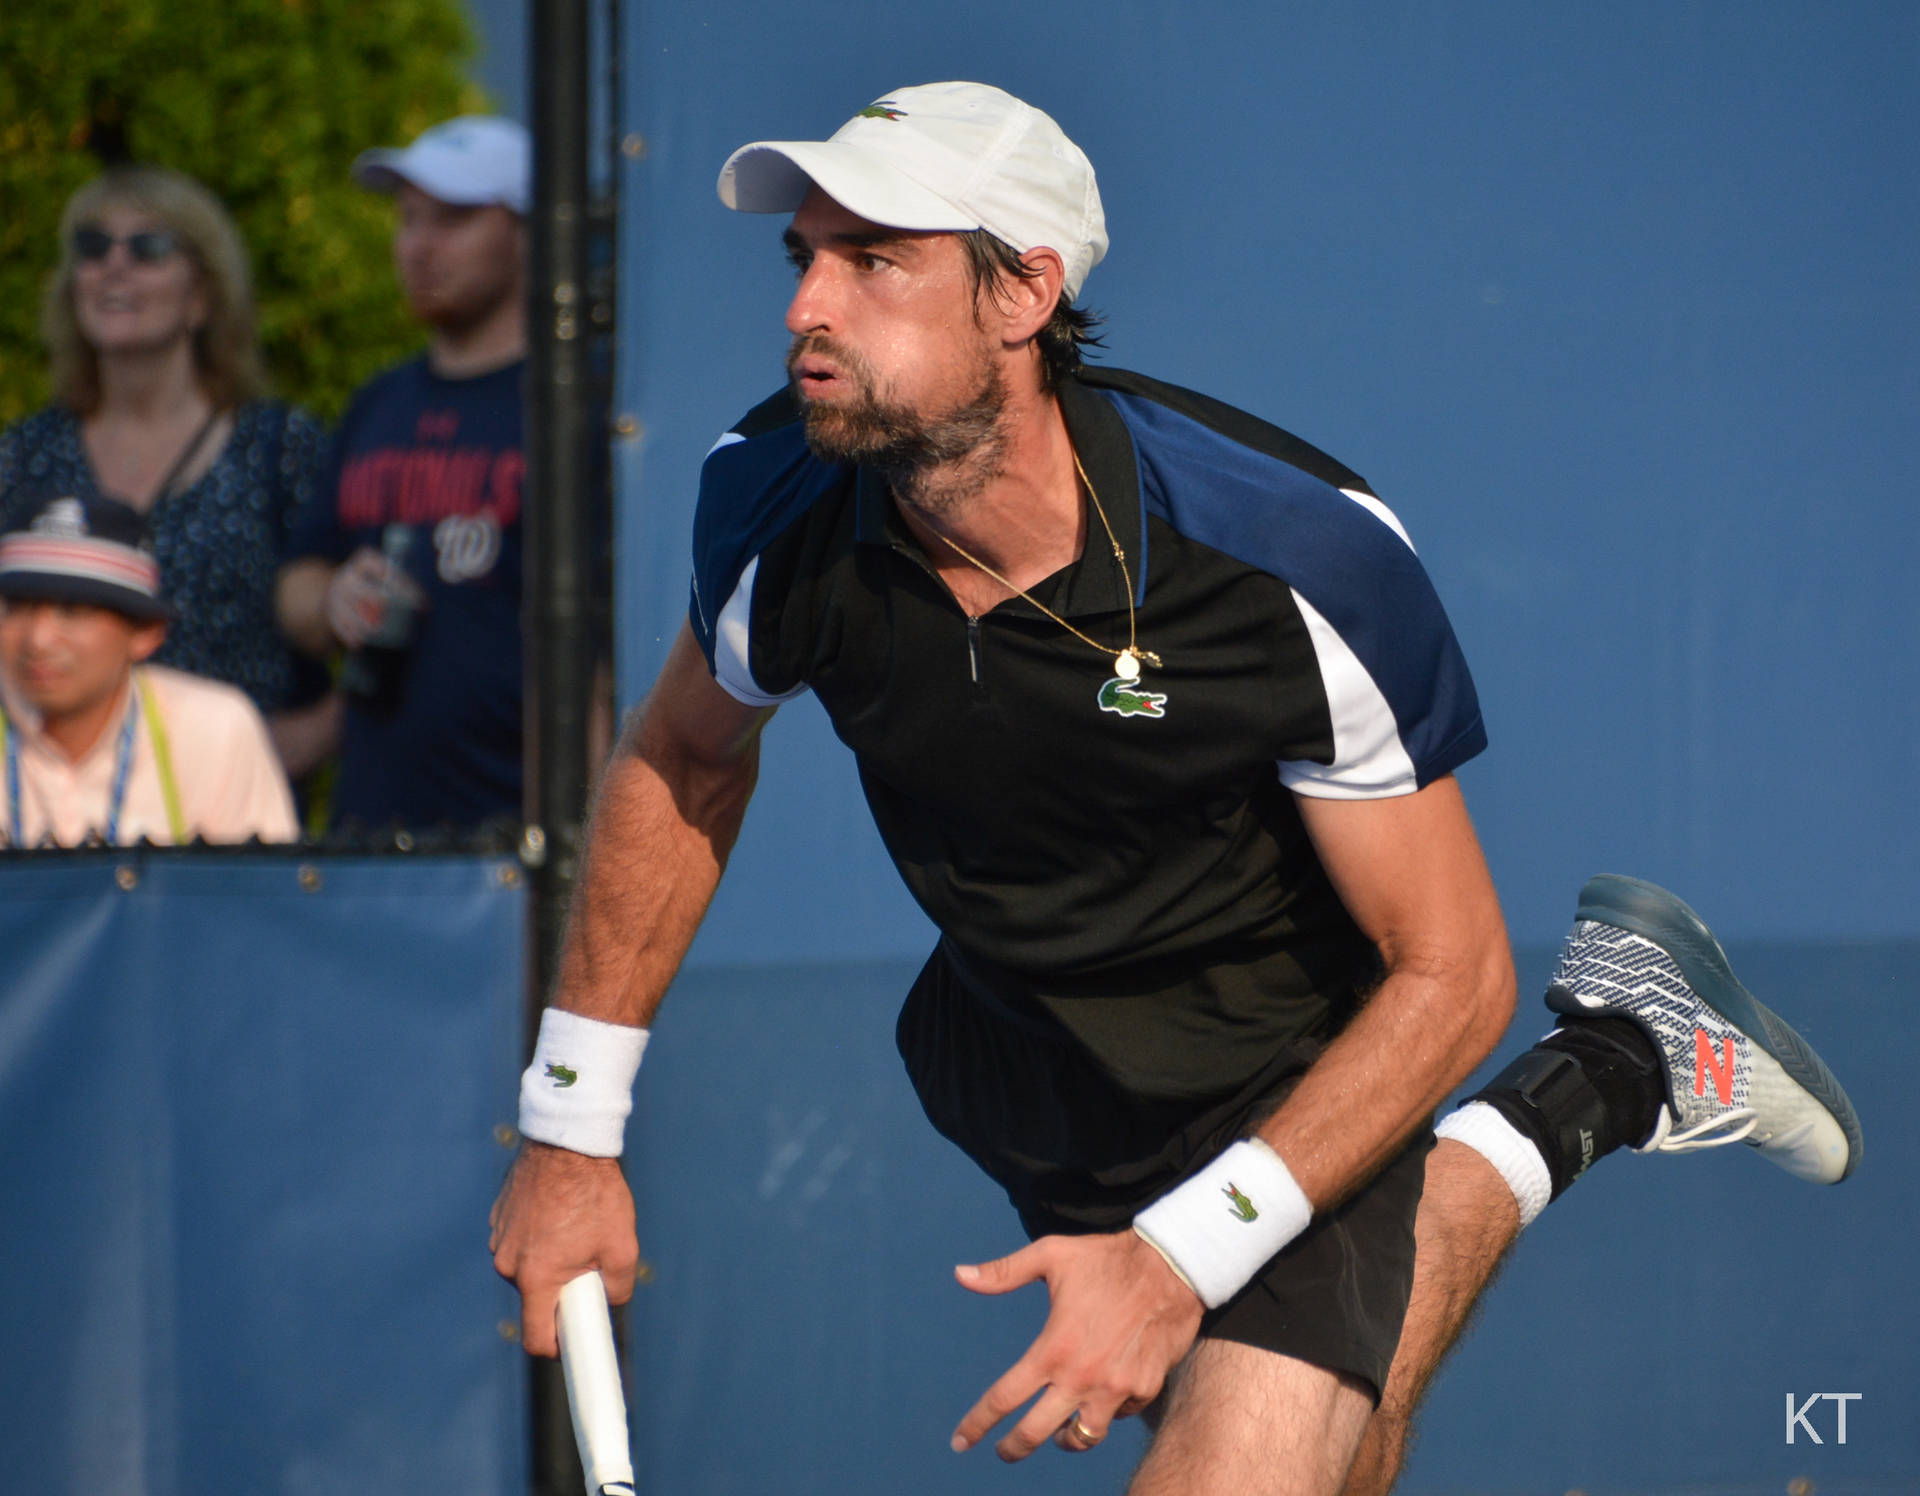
(1081, 1432)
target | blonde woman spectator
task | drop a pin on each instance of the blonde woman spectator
(158, 402)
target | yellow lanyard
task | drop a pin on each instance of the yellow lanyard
(162, 759)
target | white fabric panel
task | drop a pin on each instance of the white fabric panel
(727, 439)
(1380, 512)
(730, 645)
(1369, 762)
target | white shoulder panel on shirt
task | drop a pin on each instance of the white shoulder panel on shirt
(1369, 761)
(732, 636)
(1380, 512)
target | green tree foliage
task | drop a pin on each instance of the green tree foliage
(265, 101)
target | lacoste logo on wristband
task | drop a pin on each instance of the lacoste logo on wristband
(577, 1090)
(1217, 1259)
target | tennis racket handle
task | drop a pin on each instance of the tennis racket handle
(592, 1369)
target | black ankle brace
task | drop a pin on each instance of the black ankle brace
(1584, 1090)
(1549, 1101)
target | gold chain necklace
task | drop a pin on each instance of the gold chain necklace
(1126, 662)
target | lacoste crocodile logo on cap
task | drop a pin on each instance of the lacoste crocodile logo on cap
(561, 1076)
(883, 110)
(1242, 1206)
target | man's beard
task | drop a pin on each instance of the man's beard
(905, 444)
(459, 310)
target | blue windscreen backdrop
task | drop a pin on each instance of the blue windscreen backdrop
(254, 1113)
(1614, 304)
(250, 1109)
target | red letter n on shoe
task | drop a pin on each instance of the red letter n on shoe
(1704, 1061)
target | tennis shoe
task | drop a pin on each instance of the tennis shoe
(1734, 1071)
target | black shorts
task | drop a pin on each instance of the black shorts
(1076, 1154)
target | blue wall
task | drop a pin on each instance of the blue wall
(1613, 304)
(252, 1121)
(803, 1220)
(250, 1114)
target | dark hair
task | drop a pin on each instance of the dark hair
(1070, 329)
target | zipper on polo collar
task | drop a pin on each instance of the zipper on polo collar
(918, 559)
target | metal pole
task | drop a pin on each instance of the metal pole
(559, 654)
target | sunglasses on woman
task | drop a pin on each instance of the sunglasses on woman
(147, 246)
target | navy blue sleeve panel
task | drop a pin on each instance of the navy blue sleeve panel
(1404, 707)
(758, 479)
(1234, 424)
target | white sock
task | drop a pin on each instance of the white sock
(1511, 1152)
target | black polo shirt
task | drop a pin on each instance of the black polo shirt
(1123, 861)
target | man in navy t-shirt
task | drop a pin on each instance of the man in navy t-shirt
(414, 568)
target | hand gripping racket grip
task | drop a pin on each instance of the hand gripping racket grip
(594, 1397)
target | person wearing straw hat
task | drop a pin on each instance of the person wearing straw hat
(99, 746)
(1158, 715)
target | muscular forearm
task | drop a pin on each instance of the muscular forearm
(668, 809)
(1411, 874)
(300, 604)
(663, 826)
(1417, 1038)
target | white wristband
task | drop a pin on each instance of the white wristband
(1224, 1224)
(577, 1092)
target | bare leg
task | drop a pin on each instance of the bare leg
(1466, 1222)
(1236, 1421)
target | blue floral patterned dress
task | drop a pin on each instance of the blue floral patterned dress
(218, 541)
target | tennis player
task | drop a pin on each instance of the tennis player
(1158, 715)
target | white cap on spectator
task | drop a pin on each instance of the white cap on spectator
(942, 157)
(477, 158)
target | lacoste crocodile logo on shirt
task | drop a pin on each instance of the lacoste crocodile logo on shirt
(1124, 699)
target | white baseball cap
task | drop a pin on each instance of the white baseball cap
(477, 158)
(940, 157)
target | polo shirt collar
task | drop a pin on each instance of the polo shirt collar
(26, 720)
(1092, 584)
(1105, 446)
(875, 520)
